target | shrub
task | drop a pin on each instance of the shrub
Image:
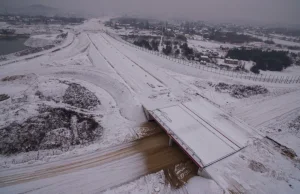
(167, 50)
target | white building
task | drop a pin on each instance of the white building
(204, 58)
(231, 61)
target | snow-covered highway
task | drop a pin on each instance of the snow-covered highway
(124, 79)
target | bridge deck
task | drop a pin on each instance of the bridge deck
(205, 137)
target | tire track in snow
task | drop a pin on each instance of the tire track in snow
(159, 80)
(258, 114)
(110, 64)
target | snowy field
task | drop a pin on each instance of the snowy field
(277, 40)
(210, 44)
(72, 118)
(290, 71)
(41, 40)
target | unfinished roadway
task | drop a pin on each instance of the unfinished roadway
(94, 172)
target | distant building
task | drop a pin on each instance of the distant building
(203, 62)
(215, 54)
(204, 58)
(231, 61)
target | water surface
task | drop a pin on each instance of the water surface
(13, 45)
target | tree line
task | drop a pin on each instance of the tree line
(231, 37)
(171, 47)
(265, 60)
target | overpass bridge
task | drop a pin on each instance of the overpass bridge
(204, 132)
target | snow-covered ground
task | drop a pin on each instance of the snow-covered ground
(277, 40)
(206, 46)
(293, 71)
(78, 63)
(95, 76)
(60, 43)
(210, 44)
(41, 40)
(155, 183)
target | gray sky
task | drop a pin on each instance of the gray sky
(270, 11)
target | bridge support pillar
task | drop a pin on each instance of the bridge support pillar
(170, 141)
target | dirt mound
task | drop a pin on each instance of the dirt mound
(12, 78)
(147, 129)
(295, 125)
(80, 97)
(286, 151)
(3, 97)
(179, 174)
(52, 128)
(257, 167)
(240, 91)
(20, 79)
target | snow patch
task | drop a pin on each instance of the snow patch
(41, 40)
(200, 185)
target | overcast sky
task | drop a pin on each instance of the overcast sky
(271, 11)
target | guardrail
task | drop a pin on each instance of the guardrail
(234, 74)
(178, 139)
